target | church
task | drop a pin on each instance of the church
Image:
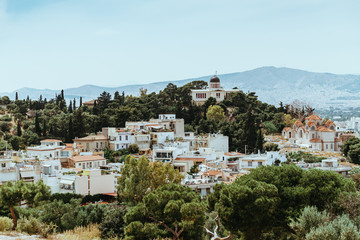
(199, 96)
(314, 133)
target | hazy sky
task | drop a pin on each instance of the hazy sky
(67, 43)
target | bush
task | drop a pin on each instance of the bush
(65, 197)
(133, 148)
(30, 226)
(5, 224)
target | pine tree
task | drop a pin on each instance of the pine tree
(19, 133)
(44, 128)
(37, 125)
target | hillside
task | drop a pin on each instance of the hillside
(271, 84)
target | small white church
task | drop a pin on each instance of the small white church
(322, 137)
(199, 96)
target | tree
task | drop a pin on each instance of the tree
(170, 211)
(248, 206)
(259, 141)
(16, 96)
(44, 130)
(103, 101)
(13, 194)
(79, 123)
(80, 104)
(113, 224)
(18, 128)
(70, 131)
(345, 148)
(354, 153)
(269, 147)
(133, 184)
(215, 113)
(133, 148)
(138, 177)
(37, 124)
(161, 174)
(15, 142)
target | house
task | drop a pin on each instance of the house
(314, 134)
(49, 148)
(87, 161)
(218, 142)
(8, 171)
(119, 138)
(90, 104)
(91, 143)
(170, 122)
(256, 160)
(88, 182)
(199, 96)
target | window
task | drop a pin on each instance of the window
(201, 95)
(331, 146)
(56, 167)
(3, 165)
(326, 146)
(217, 95)
(119, 138)
(127, 137)
(97, 145)
(313, 135)
(249, 164)
(260, 163)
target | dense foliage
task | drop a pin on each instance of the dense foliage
(239, 116)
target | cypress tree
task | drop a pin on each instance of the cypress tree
(70, 131)
(44, 128)
(16, 96)
(74, 104)
(19, 133)
(80, 102)
(249, 128)
(70, 109)
(259, 141)
(37, 125)
(62, 94)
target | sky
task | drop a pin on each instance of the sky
(59, 44)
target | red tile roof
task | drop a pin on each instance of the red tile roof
(86, 158)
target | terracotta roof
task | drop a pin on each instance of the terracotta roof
(298, 123)
(314, 117)
(316, 140)
(233, 154)
(287, 129)
(213, 173)
(309, 123)
(324, 129)
(189, 159)
(91, 102)
(86, 158)
(329, 123)
(50, 140)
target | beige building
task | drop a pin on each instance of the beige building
(91, 143)
(87, 162)
(199, 96)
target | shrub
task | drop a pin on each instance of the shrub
(65, 197)
(30, 226)
(5, 224)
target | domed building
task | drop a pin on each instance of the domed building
(314, 134)
(199, 96)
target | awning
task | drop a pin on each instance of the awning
(179, 164)
(66, 182)
(27, 174)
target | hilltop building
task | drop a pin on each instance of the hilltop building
(199, 96)
(314, 133)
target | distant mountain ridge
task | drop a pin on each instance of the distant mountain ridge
(271, 84)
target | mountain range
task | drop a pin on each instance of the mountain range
(271, 84)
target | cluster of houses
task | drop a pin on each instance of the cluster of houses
(204, 160)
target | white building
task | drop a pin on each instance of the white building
(218, 142)
(199, 96)
(49, 148)
(88, 183)
(87, 161)
(120, 138)
(8, 171)
(257, 160)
